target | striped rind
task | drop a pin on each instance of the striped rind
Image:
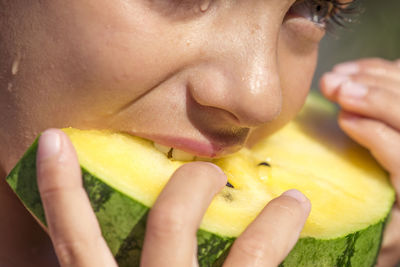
(123, 220)
(357, 249)
(22, 179)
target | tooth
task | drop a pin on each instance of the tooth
(163, 149)
(203, 159)
(181, 155)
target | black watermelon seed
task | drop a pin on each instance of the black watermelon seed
(228, 184)
(264, 164)
(169, 155)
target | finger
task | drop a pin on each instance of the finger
(330, 83)
(375, 102)
(380, 139)
(361, 99)
(271, 236)
(377, 81)
(358, 71)
(173, 221)
(73, 227)
(373, 66)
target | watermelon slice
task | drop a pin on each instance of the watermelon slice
(350, 194)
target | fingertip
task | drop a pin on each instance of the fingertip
(57, 163)
(330, 84)
(204, 169)
(49, 144)
(293, 208)
(301, 199)
(296, 194)
(54, 144)
(48, 152)
(217, 172)
(323, 85)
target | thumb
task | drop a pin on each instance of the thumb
(73, 227)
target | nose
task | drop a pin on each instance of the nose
(239, 70)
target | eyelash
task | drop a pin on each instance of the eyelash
(339, 14)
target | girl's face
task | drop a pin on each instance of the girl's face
(203, 76)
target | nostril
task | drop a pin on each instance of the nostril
(209, 112)
(234, 110)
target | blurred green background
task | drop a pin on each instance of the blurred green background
(376, 33)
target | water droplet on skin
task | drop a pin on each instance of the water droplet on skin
(15, 65)
(9, 88)
(14, 68)
(204, 5)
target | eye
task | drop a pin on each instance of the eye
(326, 13)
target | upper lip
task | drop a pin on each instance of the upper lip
(213, 132)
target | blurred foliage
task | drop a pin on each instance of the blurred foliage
(375, 33)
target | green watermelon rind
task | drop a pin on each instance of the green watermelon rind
(123, 220)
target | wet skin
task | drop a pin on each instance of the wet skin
(206, 78)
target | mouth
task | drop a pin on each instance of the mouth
(190, 149)
(177, 154)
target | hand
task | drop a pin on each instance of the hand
(173, 221)
(368, 92)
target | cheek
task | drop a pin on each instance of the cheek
(118, 58)
(297, 57)
(296, 73)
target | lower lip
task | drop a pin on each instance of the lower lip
(197, 148)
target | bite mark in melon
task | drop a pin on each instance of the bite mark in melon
(350, 194)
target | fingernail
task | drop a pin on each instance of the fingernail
(217, 168)
(353, 90)
(49, 144)
(347, 68)
(333, 80)
(296, 194)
